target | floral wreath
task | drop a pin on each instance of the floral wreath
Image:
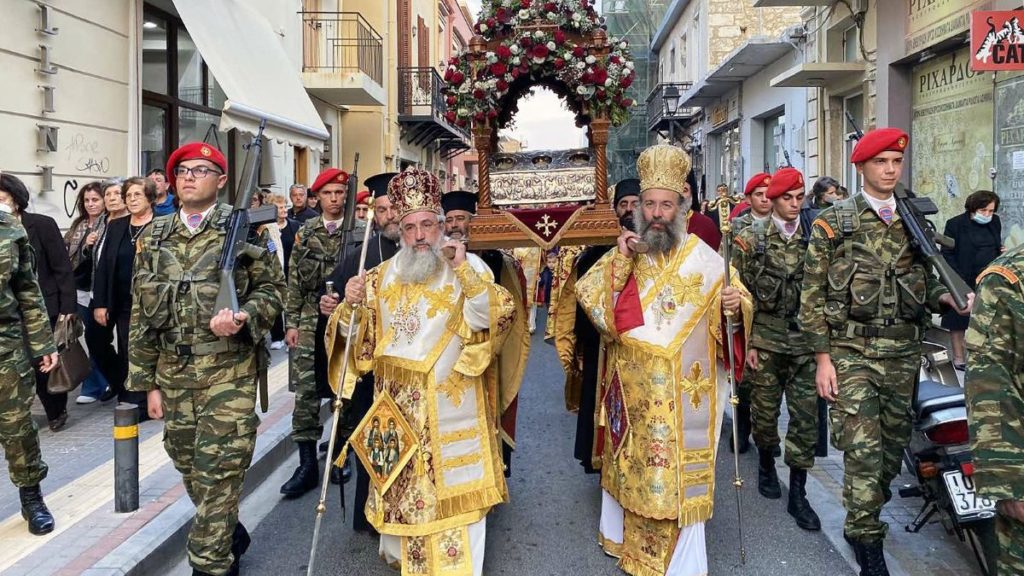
(600, 81)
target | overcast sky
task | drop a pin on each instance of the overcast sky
(543, 121)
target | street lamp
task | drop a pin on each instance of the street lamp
(671, 96)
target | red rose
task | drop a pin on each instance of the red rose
(579, 52)
(540, 51)
(599, 94)
(626, 81)
(525, 42)
(501, 15)
(449, 116)
(587, 78)
(499, 69)
(615, 60)
(501, 85)
(491, 23)
(626, 102)
(515, 73)
(448, 74)
(492, 113)
(451, 100)
(600, 75)
(478, 94)
(461, 123)
(525, 4)
(524, 68)
(457, 77)
(478, 117)
(550, 7)
(559, 37)
(503, 52)
(559, 63)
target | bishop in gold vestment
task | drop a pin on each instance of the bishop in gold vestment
(429, 328)
(664, 385)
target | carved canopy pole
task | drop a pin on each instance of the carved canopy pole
(599, 128)
(482, 142)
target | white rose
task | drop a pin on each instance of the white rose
(576, 16)
(516, 61)
(514, 48)
(623, 45)
(591, 59)
(483, 28)
(580, 65)
(551, 46)
(629, 64)
(581, 89)
(524, 14)
(608, 82)
(626, 71)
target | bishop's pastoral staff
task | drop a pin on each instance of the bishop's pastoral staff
(664, 388)
(429, 328)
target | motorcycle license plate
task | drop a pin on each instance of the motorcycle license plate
(966, 501)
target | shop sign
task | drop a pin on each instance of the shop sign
(719, 115)
(997, 40)
(931, 21)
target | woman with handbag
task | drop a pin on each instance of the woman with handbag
(53, 267)
(112, 286)
(81, 240)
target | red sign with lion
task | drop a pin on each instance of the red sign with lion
(997, 40)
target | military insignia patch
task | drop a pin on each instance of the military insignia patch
(1003, 271)
(902, 143)
(618, 417)
(384, 442)
(205, 151)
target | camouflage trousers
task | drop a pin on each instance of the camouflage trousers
(792, 375)
(871, 424)
(1010, 533)
(18, 433)
(306, 425)
(210, 435)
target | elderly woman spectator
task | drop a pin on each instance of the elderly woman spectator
(53, 267)
(282, 234)
(112, 289)
(81, 240)
(978, 237)
(100, 338)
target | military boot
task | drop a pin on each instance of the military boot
(799, 508)
(767, 478)
(871, 558)
(307, 475)
(33, 509)
(743, 425)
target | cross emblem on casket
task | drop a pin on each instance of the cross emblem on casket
(545, 225)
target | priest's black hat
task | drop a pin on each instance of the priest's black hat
(379, 184)
(459, 200)
(627, 187)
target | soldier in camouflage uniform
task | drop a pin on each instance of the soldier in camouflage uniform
(24, 326)
(769, 257)
(199, 366)
(866, 300)
(760, 208)
(317, 244)
(995, 396)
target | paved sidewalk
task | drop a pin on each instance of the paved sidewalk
(90, 537)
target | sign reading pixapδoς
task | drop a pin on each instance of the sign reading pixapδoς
(997, 40)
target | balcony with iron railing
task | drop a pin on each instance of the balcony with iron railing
(663, 106)
(421, 112)
(342, 59)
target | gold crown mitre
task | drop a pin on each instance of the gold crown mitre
(415, 190)
(663, 166)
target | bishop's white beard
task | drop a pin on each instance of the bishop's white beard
(663, 240)
(416, 267)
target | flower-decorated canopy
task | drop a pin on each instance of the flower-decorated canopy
(522, 43)
(561, 45)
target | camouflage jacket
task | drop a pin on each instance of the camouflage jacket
(743, 221)
(864, 286)
(23, 318)
(314, 256)
(772, 268)
(175, 287)
(995, 379)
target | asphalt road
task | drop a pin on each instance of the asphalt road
(550, 525)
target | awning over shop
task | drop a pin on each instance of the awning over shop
(815, 74)
(741, 64)
(250, 64)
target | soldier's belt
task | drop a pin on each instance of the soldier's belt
(894, 332)
(203, 348)
(786, 324)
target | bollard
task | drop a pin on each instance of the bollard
(126, 457)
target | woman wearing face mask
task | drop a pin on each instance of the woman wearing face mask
(112, 290)
(53, 268)
(978, 236)
(81, 240)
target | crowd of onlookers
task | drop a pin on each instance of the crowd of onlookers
(87, 272)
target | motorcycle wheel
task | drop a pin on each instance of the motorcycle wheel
(982, 537)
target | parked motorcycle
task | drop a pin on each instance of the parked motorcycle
(939, 454)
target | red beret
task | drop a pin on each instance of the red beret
(783, 181)
(877, 141)
(328, 176)
(195, 151)
(756, 181)
(363, 197)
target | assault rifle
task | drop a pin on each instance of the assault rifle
(348, 222)
(923, 236)
(236, 241)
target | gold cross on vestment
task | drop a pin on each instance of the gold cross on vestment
(695, 384)
(545, 225)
